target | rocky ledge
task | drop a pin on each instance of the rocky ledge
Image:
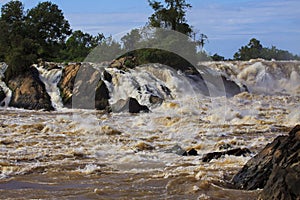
(29, 92)
(276, 169)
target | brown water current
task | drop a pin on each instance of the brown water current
(77, 154)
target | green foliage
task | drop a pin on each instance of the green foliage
(79, 45)
(171, 16)
(217, 57)
(255, 50)
(48, 27)
(40, 34)
(131, 40)
(107, 50)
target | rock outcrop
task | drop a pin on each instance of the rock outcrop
(29, 92)
(89, 88)
(66, 83)
(232, 152)
(276, 169)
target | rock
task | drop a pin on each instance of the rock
(276, 169)
(191, 152)
(233, 152)
(2, 95)
(89, 88)
(181, 152)
(66, 83)
(130, 105)
(155, 100)
(142, 146)
(231, 88)
(102, 96)
(107, 76)
(124, 63)
(29, 92)
(135, 107)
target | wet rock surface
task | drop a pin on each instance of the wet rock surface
(66, 83)
(233, 152)
(2, 95)
(130, 105)
(276, 169)
(29, 92)
(86, 87)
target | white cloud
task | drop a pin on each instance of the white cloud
(108, 23)
(274, 22)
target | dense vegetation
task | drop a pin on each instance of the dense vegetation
(254, 49)
(43, 33)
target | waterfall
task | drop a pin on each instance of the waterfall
(6, 90)
(51, 78)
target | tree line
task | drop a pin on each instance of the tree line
(44, 33)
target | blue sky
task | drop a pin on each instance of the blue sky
(229, 24)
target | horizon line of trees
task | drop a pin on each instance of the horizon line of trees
(43, 33)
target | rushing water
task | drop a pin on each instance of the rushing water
(84, 154)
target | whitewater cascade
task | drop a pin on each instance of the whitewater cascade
(51, 78)
(6, 90)
(165, 83)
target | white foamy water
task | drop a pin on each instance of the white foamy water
(6, 90)
(264, 77)
(51, 78)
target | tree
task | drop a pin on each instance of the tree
(25, 38)
(255, 50)
(217, 57)
(48, 26)
(251, 51)
(131, 40)
(79, 45)
(171, 16)
(11, 26)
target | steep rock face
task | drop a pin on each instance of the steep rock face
(276, 169)
(29, 92)
(90, 91)
(66, 83)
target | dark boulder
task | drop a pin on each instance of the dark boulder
(2, 95)
(102, 96)
(191, 152)
(130, 105)
(276, 169)
(29, 92)
(233, 152)
(135, 107)
(107, 76)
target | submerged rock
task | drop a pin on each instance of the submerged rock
(276, 169)
(29, 92)
(233, 152)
